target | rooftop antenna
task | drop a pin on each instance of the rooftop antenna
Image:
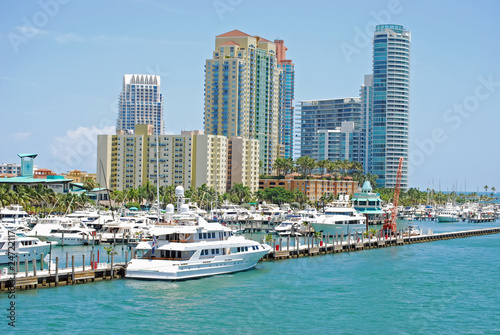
(157, 179)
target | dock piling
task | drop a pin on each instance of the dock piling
(72, 269)
(112, 264)
(34, 267)
(57, 271)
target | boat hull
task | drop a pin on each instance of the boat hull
(447, 219)
(154, 269)
(26, 253)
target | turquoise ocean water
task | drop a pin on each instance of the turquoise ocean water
(439, 287)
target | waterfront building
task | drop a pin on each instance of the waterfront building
(140, 102)
(388, 104)
(190, 159)
(43, 173)
(80, 176)
(242, 92)
(98, 194)
(315, 188)
(331, 129)
(29, 177)
(287, 92)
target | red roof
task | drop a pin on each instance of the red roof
(230, 43)
(234, 33)
(262, 39)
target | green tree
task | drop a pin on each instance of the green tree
(240, 192)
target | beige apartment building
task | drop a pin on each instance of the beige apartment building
(190, 159)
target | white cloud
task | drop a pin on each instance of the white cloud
(22, 135)
(67, 38)
(30, 31)
(78, 148)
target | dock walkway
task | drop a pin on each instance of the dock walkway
(283, 249)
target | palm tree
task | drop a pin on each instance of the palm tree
(323, 165)
(148, 192)
(89, 185)
(240, 192)
(306, 164)
(486, 188)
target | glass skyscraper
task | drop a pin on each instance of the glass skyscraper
(323, 131)
(388, 124)
(140, 103)
(286, 99)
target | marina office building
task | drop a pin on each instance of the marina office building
(190, 159)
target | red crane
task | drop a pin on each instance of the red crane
(390, 224)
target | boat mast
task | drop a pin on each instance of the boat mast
(157, 180)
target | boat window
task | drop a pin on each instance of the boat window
(200, 236)
(213, 235)
(2, 244)
(204, 235)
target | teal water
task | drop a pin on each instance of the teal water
(438, 287)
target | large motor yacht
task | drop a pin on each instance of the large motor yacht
(340, 218)
(190, 247)
(16, 244)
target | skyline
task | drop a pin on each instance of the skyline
(68, 73)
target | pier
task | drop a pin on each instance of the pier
(54, 275)
(283, 248)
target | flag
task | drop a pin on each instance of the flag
(154, 245)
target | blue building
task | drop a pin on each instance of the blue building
(331, 129)
(388, 104)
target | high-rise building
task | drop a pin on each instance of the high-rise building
(331, 129)
(286, 99)
(140, 103)
(366, 93)
(243, 163)
(242, 92)
(389, 104)
(381, 114)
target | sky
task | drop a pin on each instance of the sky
(62, 63)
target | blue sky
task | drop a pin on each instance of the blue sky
(63, 60)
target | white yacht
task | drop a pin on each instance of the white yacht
(229, 212)
(340, 219)
(412, 230)
(13, 217)
(46, 226)
(126, 228)
(74, 236)
(190, 247)
(18, 244)
(448, 214)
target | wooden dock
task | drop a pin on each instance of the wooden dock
(282, 248)
(40, 277)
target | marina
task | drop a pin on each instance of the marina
(282, 249)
